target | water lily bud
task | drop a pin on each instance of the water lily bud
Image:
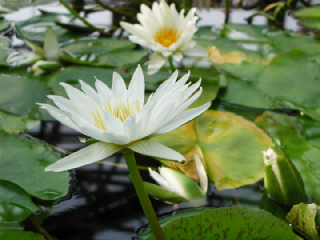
(282, 180)
(51, 46)
(175, 186)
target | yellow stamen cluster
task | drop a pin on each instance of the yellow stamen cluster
(120, 110)
(167, 36)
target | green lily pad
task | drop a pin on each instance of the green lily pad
(226, 223)
(245, 93)
(285, 133)
(13, 213)
(302, 216)
(96, 46)
(34, 29)
(4, 42)
(23, 161)
(309, 16)
(19, 234)
(231, 147)
(292, 79)
(4, 25)
(72, 75)
(13, 194)
(19, 93)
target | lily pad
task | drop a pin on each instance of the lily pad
(302, 216)
(230, 145)
(246, 93)
(23, 161)
(96, 46)
(285, 133)
(13, 194)
(226, 223)
(4, 42)
(292, 79)
(309, 16)
(19, 234)
(4, 25)
(34, 29)
(72, 75)
(19, 93)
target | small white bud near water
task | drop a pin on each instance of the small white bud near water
(282, 180)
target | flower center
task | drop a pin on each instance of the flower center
(167, 36)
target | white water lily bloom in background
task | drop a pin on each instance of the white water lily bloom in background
(166, 32)
(177, 182)
(118, 117)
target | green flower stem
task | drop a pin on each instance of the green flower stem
(74, 13)
(142, 194)
(114, 10)
(171, 64)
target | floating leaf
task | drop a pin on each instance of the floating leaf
(284, 132)
(34, 29)
(12, 193)
(309, 16)
(23, 161)
(19, 234)
(302, 216)
(245, 93)
(4, 42)
(231, 147)
(226, 223)
(4, 25)
(292, 79)
(19, 93)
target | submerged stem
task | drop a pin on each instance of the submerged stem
(143, 196)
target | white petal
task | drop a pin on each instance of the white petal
(119, 88)
(201, 173)
(155, 63)
(160, 180)
(155, 149)
(183, 118)
(90, 92)
(136, 89)
(59, 115)
(85, 156)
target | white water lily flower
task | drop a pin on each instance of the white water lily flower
(177, 182)
(118, 117)
(166, 32)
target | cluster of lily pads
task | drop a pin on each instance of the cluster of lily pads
(264, 87)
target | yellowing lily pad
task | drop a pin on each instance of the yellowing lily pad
(303, 217)
(231, 148)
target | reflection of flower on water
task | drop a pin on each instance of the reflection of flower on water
(118, 118)
(177, 182)
(166, 32)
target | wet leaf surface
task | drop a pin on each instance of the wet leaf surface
(231, 147)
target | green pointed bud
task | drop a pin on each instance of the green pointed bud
(35, 48)
(282, 180)
(51, 46)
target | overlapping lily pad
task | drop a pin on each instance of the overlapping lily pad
(19, 234)
(4, 25)
(292, 79)
(15, 203)
(285, 133)
(23, 161)
(226, 223)
(230, 145)
(15, 124)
